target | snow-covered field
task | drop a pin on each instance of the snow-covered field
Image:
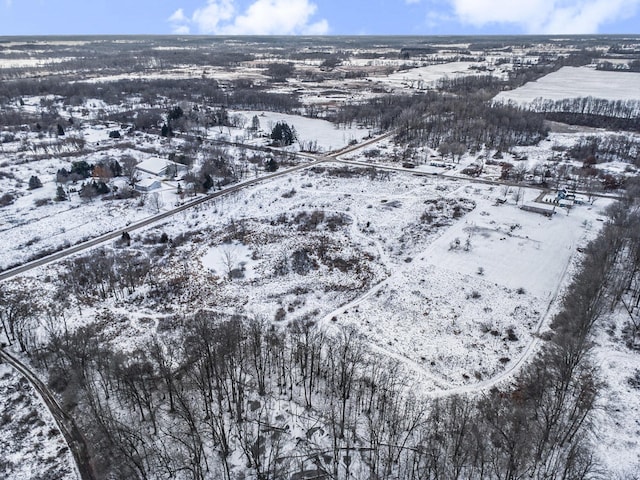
(463, 306)
(35, 223)
(431, 270)
(324, 134)
(427, 77)
(576, 82)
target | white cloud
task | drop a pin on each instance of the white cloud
(545, 16)
(209, 17)
(262, 17)
(177, 16)
(8, 3)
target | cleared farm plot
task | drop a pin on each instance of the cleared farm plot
(426, 77)
(576, 82)
(433, 273)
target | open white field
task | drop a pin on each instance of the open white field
(464, 306)
(426, 77)
(576, 82)
(325, 135)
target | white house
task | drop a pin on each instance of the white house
(162, 168)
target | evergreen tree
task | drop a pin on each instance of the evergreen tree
(34, 182)
(255, 123)
(81, 169)
(61, 195)
(282, 134)
(207, 183)
(271, 165)
(166, 131)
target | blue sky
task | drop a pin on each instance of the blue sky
(333, 17)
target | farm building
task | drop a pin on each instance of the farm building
(161, 167)
(541, 208)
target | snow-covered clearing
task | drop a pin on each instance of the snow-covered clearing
(426, 77)
(325, 135)
(230, 259)
(618, 418)
(465, 305)
(576, 82)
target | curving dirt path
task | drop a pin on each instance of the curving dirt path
(65, 422)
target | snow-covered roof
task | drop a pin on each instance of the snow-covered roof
(148, 184)
(158, 166)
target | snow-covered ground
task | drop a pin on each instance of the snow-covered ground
(618, 415)
(324, 134)
(426, 77)
(465, 305)
(35, 223)
(455, 295)
(430, 270)
(30, 442)
(576, 82)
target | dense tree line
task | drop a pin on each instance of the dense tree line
(433, 118)
(153, 92)
(592, 112)
(607, 66)
(610, 148)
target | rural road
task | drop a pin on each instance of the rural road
(315, 159)
(156, 218)
(65, 422)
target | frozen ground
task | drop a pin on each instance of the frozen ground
(461, 312)
(575, 82)
(35, 223)
(397, 265)
(426, 77)
(325, 134)
(430, 270)
(618, 418)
